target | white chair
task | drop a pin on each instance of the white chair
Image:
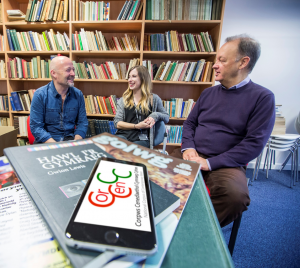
(281, 143)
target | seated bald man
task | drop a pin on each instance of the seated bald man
(58, 107)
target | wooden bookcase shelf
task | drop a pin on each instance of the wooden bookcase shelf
(113, 27)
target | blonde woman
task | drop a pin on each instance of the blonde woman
(136, 113)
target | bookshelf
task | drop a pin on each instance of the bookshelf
(113, 27)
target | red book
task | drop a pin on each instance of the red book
(202, 73)
(94, 71)
(96, 105)
(15, 67)
(105, 105)
(102, 67)
(183, 71)
(112, 105)
(77, 46)
(180, 42)
(116, 45)
(107, 67)
(8, 68)
(24, 66)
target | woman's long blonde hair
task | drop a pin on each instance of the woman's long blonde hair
(146, 87)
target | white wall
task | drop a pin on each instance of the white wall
(276, 25)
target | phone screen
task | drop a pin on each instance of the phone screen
(116, 197)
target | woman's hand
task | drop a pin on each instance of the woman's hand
(142, 125)
(150, 121)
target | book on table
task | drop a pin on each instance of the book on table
(54, 175)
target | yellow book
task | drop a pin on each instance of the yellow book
(51, 35)
(56, 10)
(60, 11)
(86, 105)
(20, 42)
(66, 10)
(48, 9)
(99, 103)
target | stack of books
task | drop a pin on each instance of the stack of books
(90, 11)
(5, 122)
(2, 69)
(21, 100)
(4, 103)
(106, 70)
(178, 108)
(172, 41)
(184, 9)
(15, 15)
(131, 10)
(20, 123)
(97, 126)
(47, 10)
(199, 71)
(88, 40)
(36, 68)
(33, 41)
(279, 126)
(100, 104)
(174, 134)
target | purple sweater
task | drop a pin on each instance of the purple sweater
(231, 126)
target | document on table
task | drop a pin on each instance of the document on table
(24, 237)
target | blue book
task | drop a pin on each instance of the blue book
(169, 36)
(32, 40)
(182, 108)
(12, 104)
(151, 42)
(196, 70)
(39, 11)
(11, 46)
(95, 42)
(173, 107)
(110, 127)
(16, 101)
(122, 11)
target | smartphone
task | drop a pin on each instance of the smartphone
(115, 210)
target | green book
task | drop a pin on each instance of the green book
(148, 9)
(80, 43)
(51, 11)
(108, 106)
(46, 69)
(188, 42)
(31, 9)
(25, 41)
(46, 41)
(14, 40)
(133, 9)
(76, 69)
(49, 75)
(193, 42)
(80, 71)
(171, 71)
(56, 41)
(28, 10)
(204, 42)
(35, 67)
(28, 69)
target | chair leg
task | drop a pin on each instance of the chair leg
(268, 161)
(234, 232)
(258, 166)
(285, 161)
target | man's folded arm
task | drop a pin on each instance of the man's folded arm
(259, 129)
(37, 119)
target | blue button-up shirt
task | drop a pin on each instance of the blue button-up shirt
(49, 120)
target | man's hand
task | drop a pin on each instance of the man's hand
(77, 137)
(187, 154)
(50, 140)
(201, 161)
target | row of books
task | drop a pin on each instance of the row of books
(106, 70)
(35, 68)
(174, 134)
(20, 123)
(199, 71)
(88, 40)
(178, 108)
(131, 10)
(47, 10)
(100, 104)
(22, 142)
(1, 42)
(97, 126)
(21, 100)
(90, 11)
(2, 69)
(4, 122)
(33, 41)
(172, 41)
(183, 9)
(4, 103)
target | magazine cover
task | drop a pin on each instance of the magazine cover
(55, 174)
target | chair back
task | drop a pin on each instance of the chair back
(30, 136)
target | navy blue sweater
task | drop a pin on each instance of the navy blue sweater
(230, 126)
